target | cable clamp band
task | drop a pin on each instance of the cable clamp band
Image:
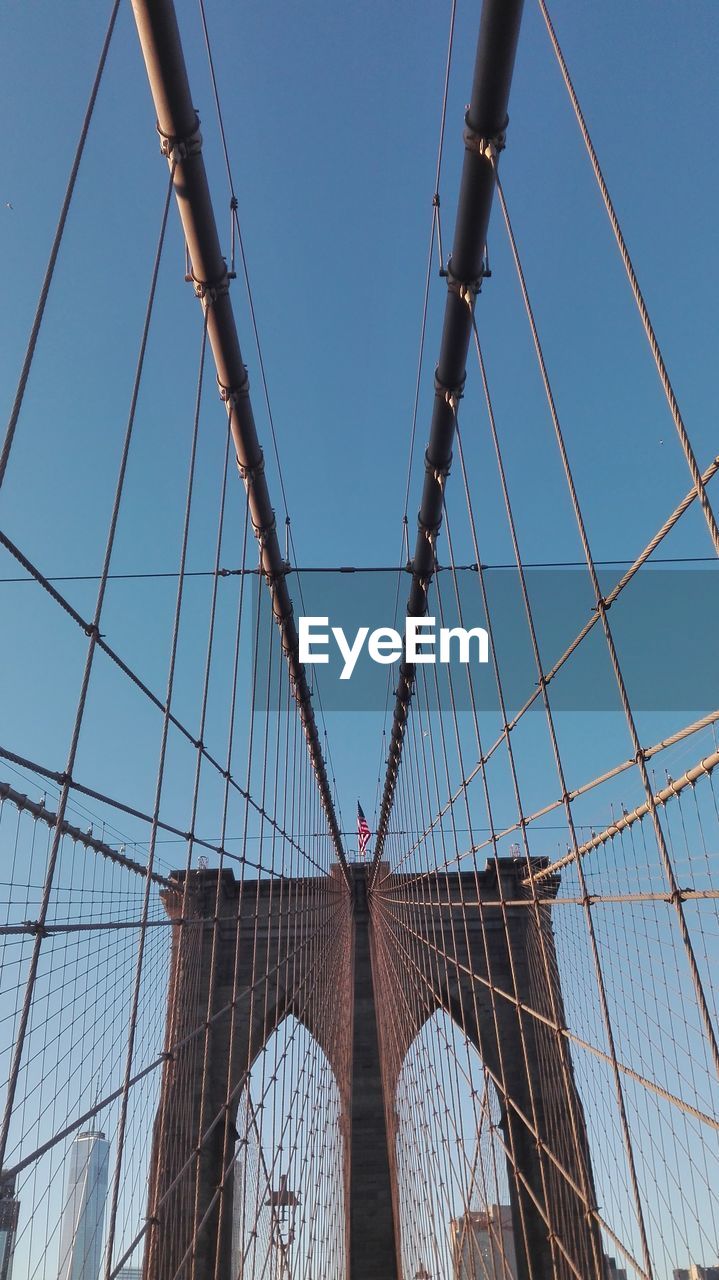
(232, 395)
(275, 575)
(430, 532)
(438, 474)
(466, 290)
(177, 149)
(250, 474)
(423, 582)
(263, 532)
(479, 145)
(602, 606)
(450, 395)
(210, 290)
(37, 929)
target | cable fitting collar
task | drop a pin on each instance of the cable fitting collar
(210, 290)
(263, 532)
(479, 145)
(466, 290)
(232, 395)
(430, 532)
(450, 395)
(177, 149)
(272, 577)
(438, 474)
(250, 474)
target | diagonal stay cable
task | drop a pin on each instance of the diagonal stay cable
(41, 813)
(652, 339)
(114, 656)
(93, 632)
(55, 249)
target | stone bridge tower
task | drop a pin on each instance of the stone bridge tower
(495, 962)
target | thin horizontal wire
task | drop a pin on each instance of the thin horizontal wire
(348, 568)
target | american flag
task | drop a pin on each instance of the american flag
(363, 831)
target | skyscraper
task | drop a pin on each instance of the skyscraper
(238, 1214)
(611, 1270)
(483, 1244)
(695, 1271)
(9, 1213)
(84, 1208)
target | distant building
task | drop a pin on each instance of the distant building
(83, 1214)
(238, 1214)
(697, 1272)
(9, 1213)
(611, 1270)
(482, 1243)
(129, 1273)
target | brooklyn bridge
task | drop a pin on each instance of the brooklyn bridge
(476, 1035)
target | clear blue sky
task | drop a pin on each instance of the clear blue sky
(332, 114)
